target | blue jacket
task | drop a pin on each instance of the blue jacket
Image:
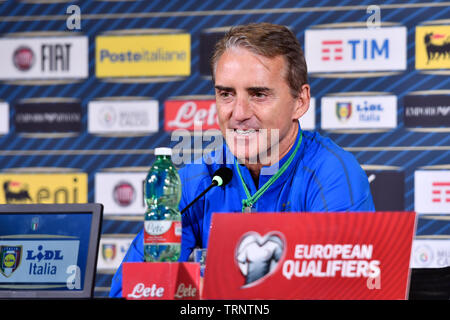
(321, 177)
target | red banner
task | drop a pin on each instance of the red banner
(161, 281)
(309, 256)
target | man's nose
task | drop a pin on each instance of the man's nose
(242, 110)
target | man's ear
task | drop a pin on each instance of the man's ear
(303, 100)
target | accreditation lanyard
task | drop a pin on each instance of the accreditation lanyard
(248, 203)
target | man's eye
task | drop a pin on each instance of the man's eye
(225, 94)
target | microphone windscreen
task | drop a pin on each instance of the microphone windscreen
(223, 176)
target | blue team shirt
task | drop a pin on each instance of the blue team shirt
(321, 178)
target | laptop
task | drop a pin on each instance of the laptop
(320, 256)
(49, 250)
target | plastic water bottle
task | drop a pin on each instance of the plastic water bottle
(162, 224)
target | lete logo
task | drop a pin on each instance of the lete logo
(258, 256)
(182, 114)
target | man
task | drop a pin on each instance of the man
(260, 80)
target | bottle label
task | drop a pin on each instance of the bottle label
(162, 231)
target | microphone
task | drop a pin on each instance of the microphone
(220, 178)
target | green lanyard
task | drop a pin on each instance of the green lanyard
(248, 203)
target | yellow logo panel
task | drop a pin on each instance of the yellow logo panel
(143, 55)
(43, 188)
(433, 47)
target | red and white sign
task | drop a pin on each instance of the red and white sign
(432, 191)
(363, 255)
(161, 281)
(190, 114)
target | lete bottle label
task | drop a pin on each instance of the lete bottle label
(162, 231)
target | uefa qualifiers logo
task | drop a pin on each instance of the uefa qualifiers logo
(258, 256)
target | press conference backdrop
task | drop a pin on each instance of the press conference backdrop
(89, 89)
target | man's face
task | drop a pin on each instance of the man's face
(256, 110)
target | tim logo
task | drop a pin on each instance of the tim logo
(258, 256)
(16, 192)
(10, 257)
(343, 110)
(434, 50)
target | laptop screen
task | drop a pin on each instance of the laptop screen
(48, 251)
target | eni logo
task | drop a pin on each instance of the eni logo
(258, 256)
